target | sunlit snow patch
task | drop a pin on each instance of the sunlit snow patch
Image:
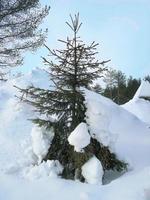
(80, 137)
(92, 171)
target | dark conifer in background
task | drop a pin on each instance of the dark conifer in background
(119, 88)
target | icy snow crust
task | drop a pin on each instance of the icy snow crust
(22, 177)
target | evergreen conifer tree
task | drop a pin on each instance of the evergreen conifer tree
(115, 86)
(19, 22)
(132, 86)
(75, 68)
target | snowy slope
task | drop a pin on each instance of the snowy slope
(134, 186)
(117, 128)
(111, 124)
(15, 128)
(143, 90)
(138, 106)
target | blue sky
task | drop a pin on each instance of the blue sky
(121, 27)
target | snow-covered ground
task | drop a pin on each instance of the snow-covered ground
(139, 106)
(23, 177)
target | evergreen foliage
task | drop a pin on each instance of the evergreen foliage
(115, 85)
(73, 69)
(147, 78)
(119, 88)
(132, 86)
(19, 21)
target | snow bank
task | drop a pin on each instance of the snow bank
(139, 106)
(92, 171)
(132, 186)
(98, 117)
(123, 132)
(15, 128)
(80, 137)
(109, 123)
(50, 168)
(41, 140)
(143, 90)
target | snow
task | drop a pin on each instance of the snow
(143, 90)
(92, 171)
(80, 137)
(22, 176)
(139, 106)
(41, 140)
(49, 168)
(15, 128)
(134, 186)
(123, 132)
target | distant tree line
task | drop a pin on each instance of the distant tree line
(118, 87)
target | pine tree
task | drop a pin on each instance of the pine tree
(115, 86)
(121, 87)
(75, 68)
(19, 21)
(110, 81)
(132, 86)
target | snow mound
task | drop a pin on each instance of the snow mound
(98, 117)
(123, 132)
(131, 186)
(140, 108)
(41, 140)
(92, 171)
(143, 90)
(138, 105)
(110, 124)
(80, 137)
(15, 128)
(50, 168)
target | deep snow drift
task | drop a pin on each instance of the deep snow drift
(117, 128)
(143, 90)
(21, 175)
(139, 106)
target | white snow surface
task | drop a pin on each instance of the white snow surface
(15, 128)
(80, 137)
(22, 177)
(92, 171)
(123, 132)
(50, 168)
(139, 106)
(41, 140)
(143, 90)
